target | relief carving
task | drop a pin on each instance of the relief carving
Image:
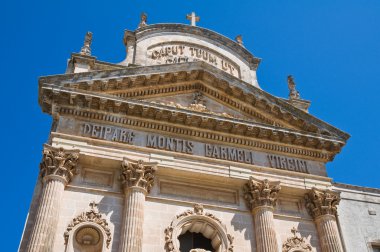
(91, 216)
(321, 202)
(60, 162)
(137, 173)
(259, 193)
(296, 243)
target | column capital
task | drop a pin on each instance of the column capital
(261, 193)
(58, 162)
(321, 202)
(137, 174)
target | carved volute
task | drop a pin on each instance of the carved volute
(59, 162)
(320, 202)
(137, 174)
(259, 193)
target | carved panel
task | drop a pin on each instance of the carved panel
(98, 178)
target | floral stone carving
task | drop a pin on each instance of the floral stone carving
(138, 174)
(296, 243)
(320, 202)
(60, 162)
(91, 216)
(259, 193)
(197, 215)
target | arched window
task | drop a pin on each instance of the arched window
(189, 241)
(197, 231)
(88, 232)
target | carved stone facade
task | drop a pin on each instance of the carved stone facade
(179, 146)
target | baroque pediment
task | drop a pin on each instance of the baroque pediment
(194, 94)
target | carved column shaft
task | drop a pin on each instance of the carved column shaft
(57, 168)
(261, 198)
(264, 230)
(328, 234)
(46, 221)
(322, 206)
(132, 226)
(137, 179)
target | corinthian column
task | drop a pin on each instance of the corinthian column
(137, 180)
(261, 198)
(57, 168)
(321, 205)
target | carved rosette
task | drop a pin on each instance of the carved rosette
(259, 193)
(296, 243)
(137, 174)
(320, 202)
(59, 162)
(91, 216)
(172, 232)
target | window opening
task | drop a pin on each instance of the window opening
(190, 241)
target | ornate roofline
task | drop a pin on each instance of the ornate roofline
(224, 42)
(195, 71)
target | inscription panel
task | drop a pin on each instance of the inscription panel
(186, 146)
(179, 52)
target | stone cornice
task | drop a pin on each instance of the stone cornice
(86, 104)
(260, 103)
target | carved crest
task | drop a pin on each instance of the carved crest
(60, 162)
(296, 243)
(91, 216)
(321, 202)
(260, 193)
(138, 173)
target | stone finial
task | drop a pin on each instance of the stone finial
(320, 202)
(296, 243)
(143, 20)
(293, 93)
(86, 48)
(193, 18)
(239, 40)
(59, 162)
(138, 174)
(259, 193)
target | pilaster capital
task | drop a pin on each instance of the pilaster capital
(58, 162)
(261, 193)
(137, 174)
(321, 202)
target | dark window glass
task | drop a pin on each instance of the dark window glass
(190, 241)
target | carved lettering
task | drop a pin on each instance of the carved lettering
(285, 163)
(170, 144)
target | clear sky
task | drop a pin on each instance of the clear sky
(331, 47)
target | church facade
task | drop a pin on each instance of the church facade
(177, 148)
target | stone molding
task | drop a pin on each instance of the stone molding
(137, 174)
(91, 217)
(296, 243)
(59, 162)
(261, 193)
(205, 223)
(321, 202)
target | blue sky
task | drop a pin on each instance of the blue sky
(332, 48)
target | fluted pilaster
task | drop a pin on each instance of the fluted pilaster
(137, 179)
(322, 206)
(261, 198)
(57, 168)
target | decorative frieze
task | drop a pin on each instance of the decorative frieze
(137, 174)
(91, 216)
(258, 193)
(296, 243)
(59, 162)
(320, 202)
